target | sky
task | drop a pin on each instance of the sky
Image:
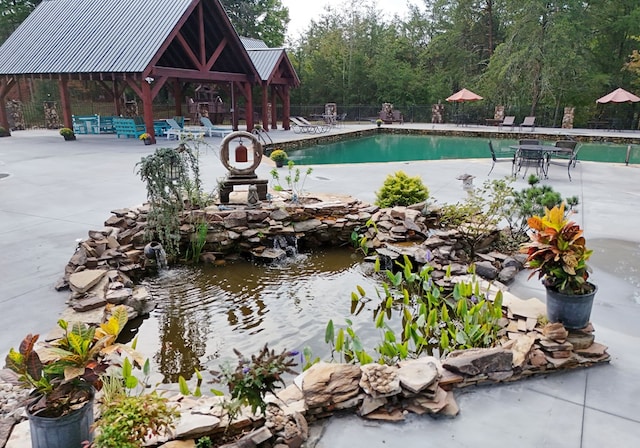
(301, 12)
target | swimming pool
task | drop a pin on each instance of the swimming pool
(399, 148)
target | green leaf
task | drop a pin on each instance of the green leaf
(329, 333)
(361, 291)
(184, 388)
(340, 340)
(126, 368)
(216, 392)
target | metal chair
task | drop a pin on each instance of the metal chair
(532, 158)
(495, 159)
(567, 150)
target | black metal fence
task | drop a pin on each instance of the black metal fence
(473, 113)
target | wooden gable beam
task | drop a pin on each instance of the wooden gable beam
(216, 54)
(187, 49)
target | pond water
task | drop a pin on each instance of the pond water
(399, 148)
(205, 312)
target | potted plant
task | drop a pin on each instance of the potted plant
(379, 122)
(278, 156)
(558, 254)
(68, 134)
(4, 132)
(146, 138)
(63, 377)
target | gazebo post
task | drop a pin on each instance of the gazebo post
(147, 107)
(249, 109)
(177, 96)
(5, 86)
(234, 107)
(286, 106)
(265, 108)
(63, 87)
(274, 108)
(116, 98)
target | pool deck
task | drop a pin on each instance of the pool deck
(56, 191)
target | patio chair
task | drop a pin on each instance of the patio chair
(567, 150)
(175, 130)
(212, 130)
(300, 127)
(528, 141)
(532, 158)
(529, 122)
(511, 158)
(508, 121)
(322, 127)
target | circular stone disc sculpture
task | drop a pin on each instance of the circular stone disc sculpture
(241, 176)
(257, 154)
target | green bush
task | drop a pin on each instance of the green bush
(400, 189)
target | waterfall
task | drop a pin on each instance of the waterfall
(287, 243)
(155, 251)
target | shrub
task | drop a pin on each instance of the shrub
(66, 132)
(278, 155)
(400, 189)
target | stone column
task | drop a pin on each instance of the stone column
(51, 118)
(16, 117)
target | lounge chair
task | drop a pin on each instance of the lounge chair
(508, 121)
(511, 158)
(298, 126)
(322, 127)
(529, 122)
(212, 130)
(175, 130)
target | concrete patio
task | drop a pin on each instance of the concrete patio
(56, 191)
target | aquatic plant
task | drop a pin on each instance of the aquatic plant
(251, 379)
(431, 320)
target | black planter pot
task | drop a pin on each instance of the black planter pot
(68, 431)
(279, 163)
(572, 311)
(69, 137)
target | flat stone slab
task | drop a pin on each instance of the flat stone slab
(83, 281)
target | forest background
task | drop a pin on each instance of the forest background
(533, 56)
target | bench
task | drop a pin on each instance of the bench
(106, 125)
(128, 127)
(85, 124)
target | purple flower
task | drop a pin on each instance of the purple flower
(245, 370)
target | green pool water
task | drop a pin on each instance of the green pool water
(399, 148)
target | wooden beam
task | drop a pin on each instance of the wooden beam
(286, 108)
(216, 54)
(265, 107)
(5, 87)
(135, 87)
(63, 86)
(187, 49)
(178, 95)
(193, 75)
(147, 107)
(274, 109)
(201, 34)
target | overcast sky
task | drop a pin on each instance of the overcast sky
(302, 12)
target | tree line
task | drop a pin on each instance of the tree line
(525, 54)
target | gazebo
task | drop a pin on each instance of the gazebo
(144, 45)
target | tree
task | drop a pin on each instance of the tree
(266, 20)
(12, 14)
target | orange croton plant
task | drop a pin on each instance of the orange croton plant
(557, 253)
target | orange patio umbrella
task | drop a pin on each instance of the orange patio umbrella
(619, 96)
(465, 95)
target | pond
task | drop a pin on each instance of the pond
(204, 312)
(399, 148)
